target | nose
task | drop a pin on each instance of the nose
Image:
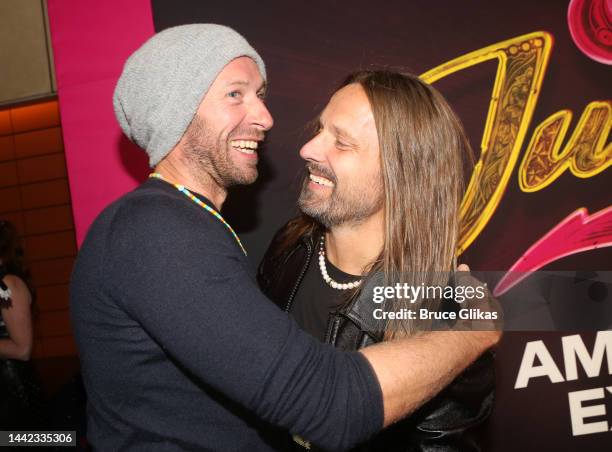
(313, 151)
(262, 117)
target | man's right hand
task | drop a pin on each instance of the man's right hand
(414, 369)
(489, 307)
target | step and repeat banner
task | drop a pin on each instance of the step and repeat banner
(532, 83)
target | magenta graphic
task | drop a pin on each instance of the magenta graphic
(576, 233)
(590, 24)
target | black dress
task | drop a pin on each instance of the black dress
(21, 406)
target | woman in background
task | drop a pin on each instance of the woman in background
(20, 398)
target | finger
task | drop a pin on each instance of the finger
(463, 268)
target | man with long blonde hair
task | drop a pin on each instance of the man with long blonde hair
(385, 177)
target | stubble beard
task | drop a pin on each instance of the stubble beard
(210, 157)
(348, 204)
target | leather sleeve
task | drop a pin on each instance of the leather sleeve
(442, 423)
(464, 404)
(281, 269)
(266, 269)
(275, 274)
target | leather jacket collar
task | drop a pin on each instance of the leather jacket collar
(281, 273)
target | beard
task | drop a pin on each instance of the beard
(350, 202)
(209, 155)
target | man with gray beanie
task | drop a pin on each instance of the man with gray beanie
(179, 349)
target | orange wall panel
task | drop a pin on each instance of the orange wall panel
(46, 246)
(52, 298)
(8, 174)
(48, 220)
(42, 168)
(38, 142)
(51, 271)
(10, 199)
(35, 116)
(52, 323)
(6, 127)
(7, 148)
(54, 346)
(17, 219)
(45, 194)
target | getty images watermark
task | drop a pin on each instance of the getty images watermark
(418, 295)
(527, 301)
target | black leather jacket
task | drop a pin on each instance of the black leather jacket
(443, 423)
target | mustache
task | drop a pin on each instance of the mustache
(253, 134)
(319, 170)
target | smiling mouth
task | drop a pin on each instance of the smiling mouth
(245, 146)
(321, 180)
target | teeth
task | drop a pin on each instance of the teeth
(244, 144)
(321, 180)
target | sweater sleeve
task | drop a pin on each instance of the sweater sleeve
(177, 271)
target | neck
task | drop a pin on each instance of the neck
(353, 248)
(176, 173)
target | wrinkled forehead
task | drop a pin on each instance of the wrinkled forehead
(349, 109)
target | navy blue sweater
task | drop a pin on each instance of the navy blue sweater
(181, 351)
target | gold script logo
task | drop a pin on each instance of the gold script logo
(522, 63)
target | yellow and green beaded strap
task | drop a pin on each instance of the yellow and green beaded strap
(205, 206)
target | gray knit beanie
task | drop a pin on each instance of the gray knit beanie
(164, 81)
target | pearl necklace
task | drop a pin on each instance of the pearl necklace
(326, 277)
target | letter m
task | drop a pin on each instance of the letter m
(573, 348)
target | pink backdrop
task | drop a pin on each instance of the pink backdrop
(91, 40)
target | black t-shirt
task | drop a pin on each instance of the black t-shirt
(315, 298)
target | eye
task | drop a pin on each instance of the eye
(262, 95)
(234, 94)
(341, 144)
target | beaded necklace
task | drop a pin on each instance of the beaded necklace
(205, 206)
